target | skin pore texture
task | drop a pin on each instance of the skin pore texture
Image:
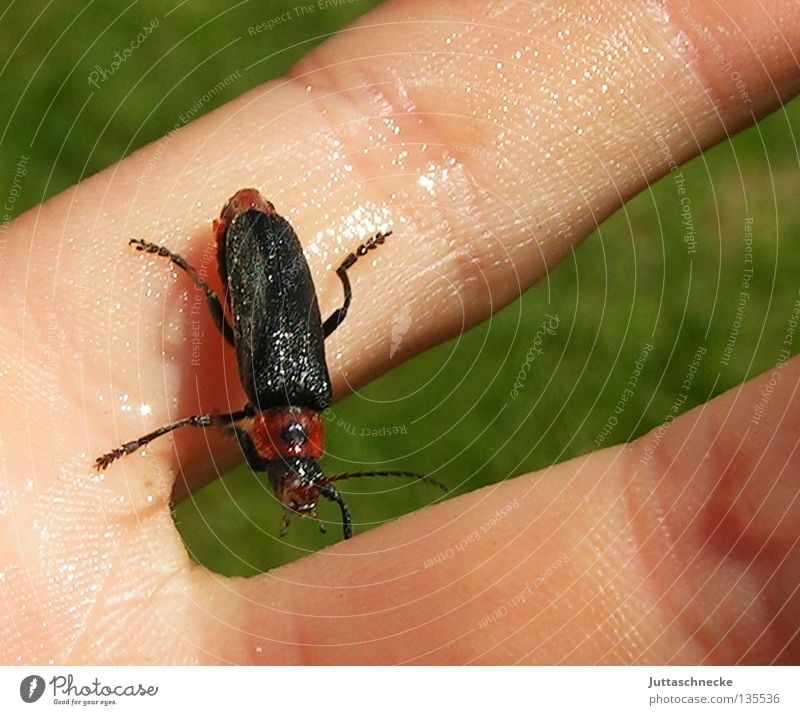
(525, 125)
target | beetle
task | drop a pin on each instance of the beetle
(279, 338)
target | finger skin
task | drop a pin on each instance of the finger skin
(509, 162)
(687, 556)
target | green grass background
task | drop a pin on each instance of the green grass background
(631, 283)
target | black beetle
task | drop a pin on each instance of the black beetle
(279, 336)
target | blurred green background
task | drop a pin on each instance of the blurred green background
(632, 283)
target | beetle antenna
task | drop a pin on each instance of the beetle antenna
(410, 475)
(329, 492)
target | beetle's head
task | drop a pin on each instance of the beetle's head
(296, 482)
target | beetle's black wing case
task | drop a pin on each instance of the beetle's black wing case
(276, 319)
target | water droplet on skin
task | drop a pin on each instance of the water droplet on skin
(426, 183)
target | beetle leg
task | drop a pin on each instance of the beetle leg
(214, 303)
(286, 522)
(322, 528)
(203, 420)
(338, 315)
